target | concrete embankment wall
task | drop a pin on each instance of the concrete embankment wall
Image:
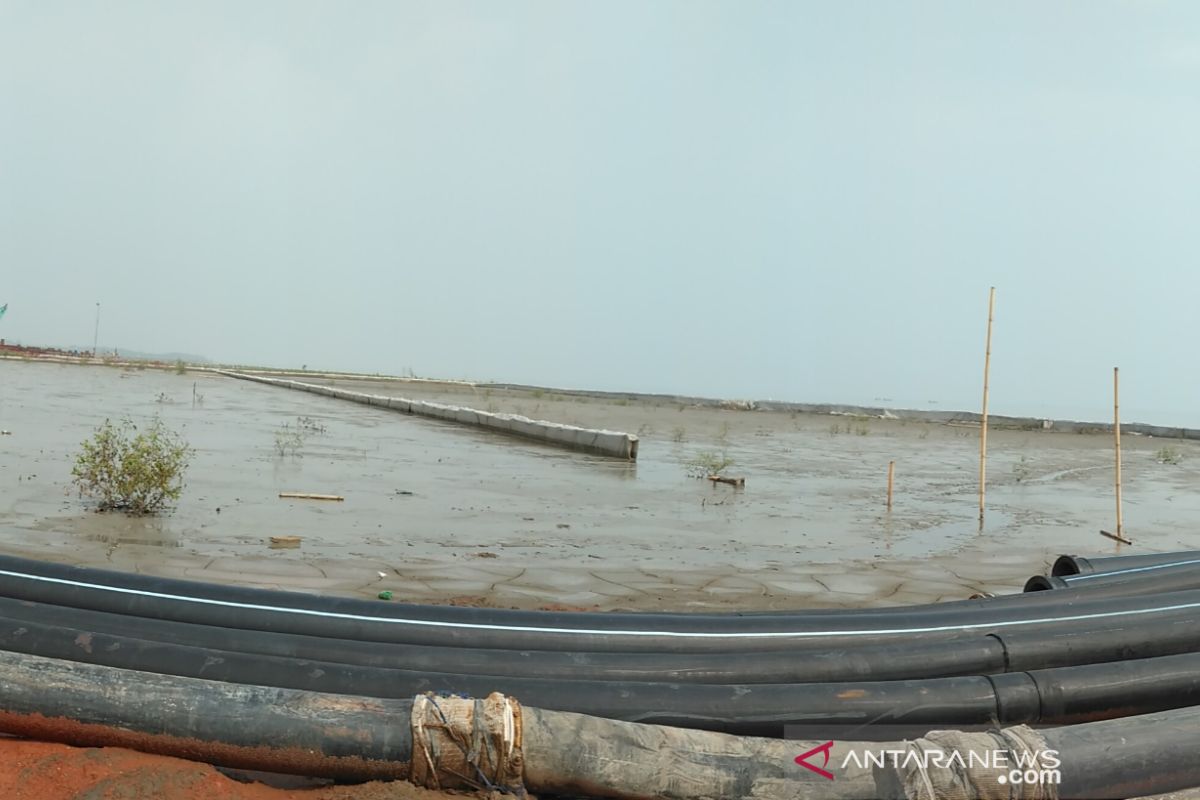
(995, 421)
(601, 442)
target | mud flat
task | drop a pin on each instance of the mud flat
(434, 512)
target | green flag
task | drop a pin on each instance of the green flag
(3, 308)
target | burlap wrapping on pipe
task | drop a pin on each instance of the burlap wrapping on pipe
(461, 743)
(984, 777)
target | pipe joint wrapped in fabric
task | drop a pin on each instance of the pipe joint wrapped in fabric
(465, 743)
(957, 764)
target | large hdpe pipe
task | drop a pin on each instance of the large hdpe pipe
(973, 653)
(900, 657)
(1138, 756)
(290, 612)
(66, 579)
(360, 739)
(1068, 565)
(1167, 577)
(234, 725)
(1037, 696)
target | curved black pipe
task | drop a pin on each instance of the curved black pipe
(1067, 565)
(1164, 577)
(14, 570)
(970, 654)
(762, 709)
(1039, 696)
(290, 612)
(61, 583)
(974, 653)
(1138, 756)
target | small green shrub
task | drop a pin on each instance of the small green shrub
(1022, 470)
(678, 434)
(1168, 455)
(709, 463)
(138, 472)
(180, 367)
(288, 441)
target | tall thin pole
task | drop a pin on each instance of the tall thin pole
(891, 480)
(96, 335)
(1117, 441)
(983, 424)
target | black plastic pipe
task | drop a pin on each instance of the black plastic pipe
(359, 739)
(249, 727)
(1166, 577)
(1068, 565)
(1038, 696)
(1145, 755)
(63, 577)
(901, 657)
(256, 609)
(973, 653)
(763, 709)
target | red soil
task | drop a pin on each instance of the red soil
(42, 771)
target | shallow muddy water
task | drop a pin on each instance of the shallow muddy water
(436, 512)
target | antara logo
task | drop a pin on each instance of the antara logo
(1020, 767)
(823, 749)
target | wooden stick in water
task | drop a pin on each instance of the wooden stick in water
(306, 496)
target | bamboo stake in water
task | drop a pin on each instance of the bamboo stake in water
(983, 423)
(891, 479)
(1117, 440)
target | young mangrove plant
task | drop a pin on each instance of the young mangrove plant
(136, 471)
(708, 463)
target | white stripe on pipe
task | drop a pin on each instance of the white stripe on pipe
(1072, 578)
(480, 626)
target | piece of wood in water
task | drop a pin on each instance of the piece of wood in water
(1115, 537)
(307, 496)
(738, 482)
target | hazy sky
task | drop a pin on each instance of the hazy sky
(791, 200)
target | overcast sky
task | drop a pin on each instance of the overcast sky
(802, 201)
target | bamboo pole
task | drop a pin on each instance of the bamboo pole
(891, 481)
(1117, 443)
(983, 423)
(307, 496)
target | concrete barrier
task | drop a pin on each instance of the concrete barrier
(601, 442)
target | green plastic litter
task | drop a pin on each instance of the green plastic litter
(385, 595)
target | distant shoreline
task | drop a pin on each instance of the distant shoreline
(995, 421)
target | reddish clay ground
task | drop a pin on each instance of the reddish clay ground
(42, 771)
